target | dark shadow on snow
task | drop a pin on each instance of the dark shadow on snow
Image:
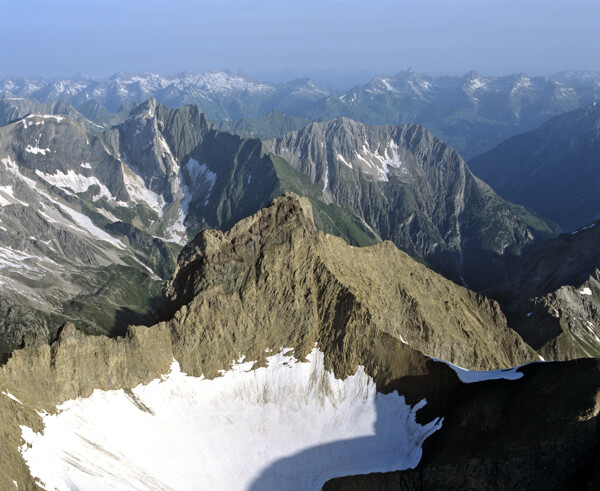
(395, 445)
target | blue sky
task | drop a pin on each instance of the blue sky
(62, 38)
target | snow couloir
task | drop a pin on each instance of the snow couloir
(289, 424)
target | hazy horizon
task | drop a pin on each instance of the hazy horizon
(267, 39)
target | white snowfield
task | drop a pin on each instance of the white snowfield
(79, 221)
(77, 183)
(289, 425)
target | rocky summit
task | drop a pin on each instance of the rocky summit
(275, 273)
(276, 318)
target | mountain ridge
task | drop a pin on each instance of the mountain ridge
(130, 195)
(413, 189)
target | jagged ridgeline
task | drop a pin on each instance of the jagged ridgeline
(413, 189)
(90, 224)
(274, 273)
(302, 341)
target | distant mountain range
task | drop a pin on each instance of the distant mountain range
(222, 95)
(473, 113)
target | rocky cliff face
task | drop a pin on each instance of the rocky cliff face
(413, 189)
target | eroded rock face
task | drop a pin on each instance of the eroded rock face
(273, 277)
(41, 376)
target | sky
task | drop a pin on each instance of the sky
(285, 38)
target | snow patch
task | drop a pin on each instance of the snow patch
(36, 150)
(7, 191)
(382, 163)
(523, 82)
(138, 192)
(476, 83)
(199, 175)
(27, 124)
(11, 258)
(86, 224)
(289, 424)
(197, 171)
(388, 86)
(585, 291)
(471, 376)
(583, 228)
(166, 154)
(75, 182)
(10, 396)
(177, 231)
(86, 165)
(341, 158)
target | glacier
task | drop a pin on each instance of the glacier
(288, 424)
